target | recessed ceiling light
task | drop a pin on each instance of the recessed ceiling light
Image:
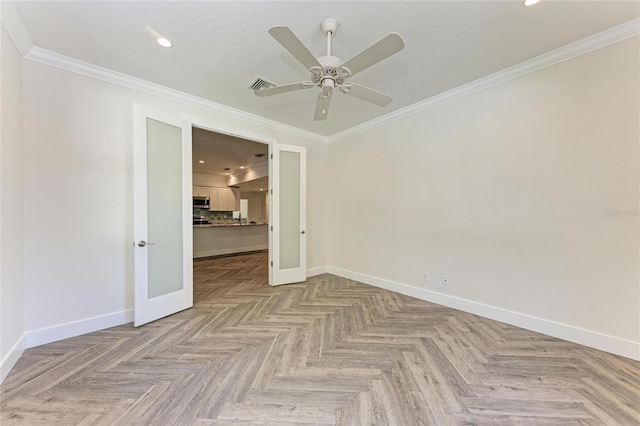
(201, 161)
(227, 174)
(164, 42)
(242, 167)
(530, 2)
(261, 189)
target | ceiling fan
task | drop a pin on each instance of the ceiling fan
(329, 72)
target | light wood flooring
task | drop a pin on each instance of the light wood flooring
(328, 351)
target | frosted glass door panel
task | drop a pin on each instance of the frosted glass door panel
(164, 201)
(162, 210)
(288, 239)
(289, 210)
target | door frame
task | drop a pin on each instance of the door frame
(270, 141)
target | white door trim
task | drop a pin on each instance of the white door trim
(272, 142)
(218, 127)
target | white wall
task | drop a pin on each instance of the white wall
(256, 206)
(78, 165)
(507, 191)
(12, 323)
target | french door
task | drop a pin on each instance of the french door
(288, 213)
(163, 247)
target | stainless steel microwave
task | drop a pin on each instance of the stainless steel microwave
(200, 202)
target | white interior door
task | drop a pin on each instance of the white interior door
(163, 246)
(288, 214)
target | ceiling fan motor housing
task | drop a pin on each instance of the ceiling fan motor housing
(330, 70)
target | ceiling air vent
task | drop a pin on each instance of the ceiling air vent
(261, 83)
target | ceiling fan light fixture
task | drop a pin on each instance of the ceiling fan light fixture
(327, 88)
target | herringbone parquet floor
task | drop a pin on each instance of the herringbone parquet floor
(328, 351)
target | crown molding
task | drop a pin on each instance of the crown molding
(47, 57)
(599, 40)
(12, 23)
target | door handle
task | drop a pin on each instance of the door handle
(143, 243)
(302, 232)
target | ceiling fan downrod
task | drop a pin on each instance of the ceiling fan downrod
(329, 26)
(328, 80)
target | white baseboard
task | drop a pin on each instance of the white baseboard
(228, 251)
(312, 272)
(12, 357)
(593, 339)
(76, 328)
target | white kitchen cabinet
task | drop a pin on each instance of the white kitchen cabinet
(227, 199)
(200, 191)
(223, 200)
(214, 199)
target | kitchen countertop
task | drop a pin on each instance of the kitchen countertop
(228, 225)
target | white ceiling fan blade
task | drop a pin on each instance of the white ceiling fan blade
(289, 41)
(322, 107)
(285, 88)
(373, 54)
(368, 95)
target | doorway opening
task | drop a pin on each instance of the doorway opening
(230, 178)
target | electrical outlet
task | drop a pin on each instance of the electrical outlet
(425, 277)
(445, 280)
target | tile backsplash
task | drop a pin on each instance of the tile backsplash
(213, 216)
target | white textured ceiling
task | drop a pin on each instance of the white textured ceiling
(219, 151)
(220, 47)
